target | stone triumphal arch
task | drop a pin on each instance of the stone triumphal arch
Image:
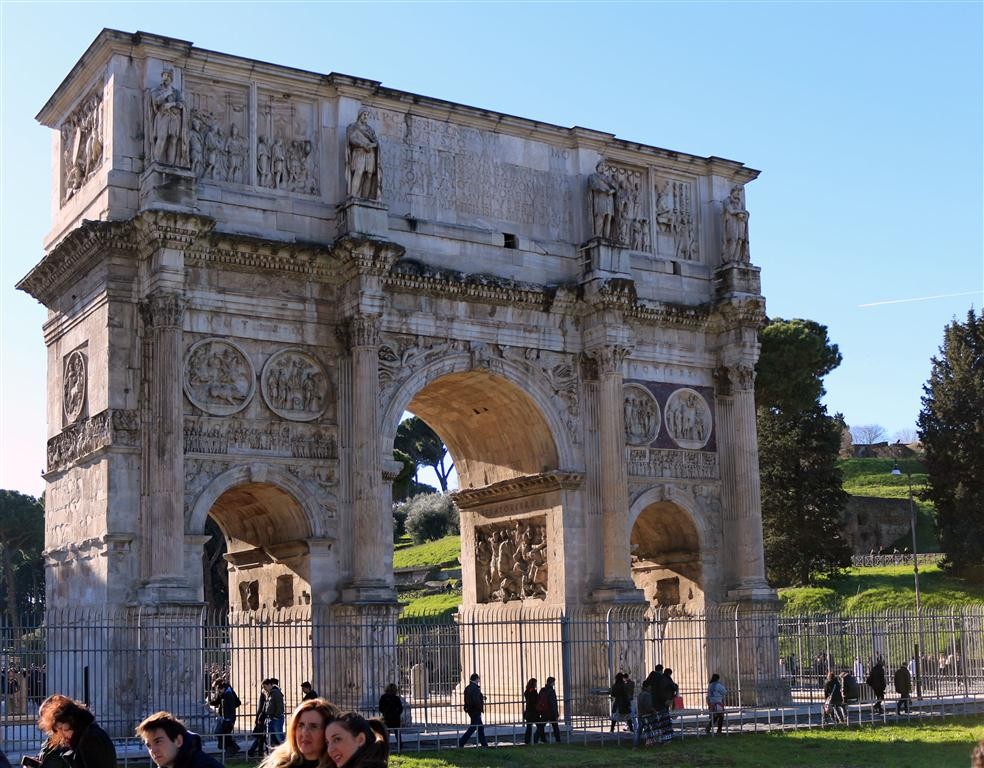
(253, 271)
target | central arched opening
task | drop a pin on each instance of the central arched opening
(493, 430)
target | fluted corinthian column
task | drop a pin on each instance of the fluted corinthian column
(740, 481)
(370, 562)
(614, 492)
(162, 525)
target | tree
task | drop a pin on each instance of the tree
(905, 436)
(430, 516)
(21, 564)
(868, 434)
(422, 444)
(951, 428)
(802, 493)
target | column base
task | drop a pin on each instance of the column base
(369, 592)
(756, 592)
(620, 592)
(172, 590)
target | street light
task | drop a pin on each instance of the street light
(915, 573)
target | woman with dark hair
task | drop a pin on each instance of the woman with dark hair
(305, 746)
(74, 739)
(530, 715)
(354, 742)
(621, 704)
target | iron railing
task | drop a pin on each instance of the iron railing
(134, 662)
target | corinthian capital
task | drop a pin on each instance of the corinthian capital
(163, 310)
(362, 331)
(609, 358)
(739, 377)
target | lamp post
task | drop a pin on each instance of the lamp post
(915, 574)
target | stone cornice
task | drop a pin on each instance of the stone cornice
(74, 256)
(737, 312)
(155, 230)
(307, 260)
(517, 488)
(359, 255)
(678, 315)
(416, 277)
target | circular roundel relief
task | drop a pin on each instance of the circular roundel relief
(688, 418)
(218, 377)
(294, 385)
(75, 383)
(641, 415)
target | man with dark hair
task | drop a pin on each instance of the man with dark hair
(903, 687)
(307, 692)
(474, 706)
(171, 745)
(226, 702)
(548, 711)
(275, 710)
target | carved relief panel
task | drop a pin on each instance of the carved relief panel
(688, 419)
(218, 135)
(218, 377)
(676, 218)
(642, 416)
(287, 143)
(631, 221)
(75, 383)
(294, 385)
(511, 561)
(82, 143)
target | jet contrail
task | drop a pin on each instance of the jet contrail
(921, 298)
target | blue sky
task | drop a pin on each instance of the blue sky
(864, 118)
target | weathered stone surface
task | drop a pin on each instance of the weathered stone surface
(253, 271)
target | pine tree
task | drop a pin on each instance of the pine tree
(802, 493)
(951, 428)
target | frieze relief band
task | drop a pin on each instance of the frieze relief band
(109, 427)
(245, 437)
(662, 462)
(511, 561)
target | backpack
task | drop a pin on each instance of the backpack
(543, 704)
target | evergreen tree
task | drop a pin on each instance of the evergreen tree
(951, 428)
(422, 444)
(21, 564)
(802, 493)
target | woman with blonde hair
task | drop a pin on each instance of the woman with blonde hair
(305, 746)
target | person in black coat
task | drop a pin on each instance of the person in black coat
(171, 745)
(74, 739)
(530, 714)
(391, 708)
(258, 747)
(876, 679)
(548, 711)
(903, 687)
(621, 703)
(226, 702)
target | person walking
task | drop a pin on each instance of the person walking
(530, 714)
(833, 700)
(646, 712)
(876, 679)
(547, 711)
(275, 711)
(258, 746)
(226, 702)
(715, 702)
(391, 708)
(903, 687)
(621, 706)
(474, 703)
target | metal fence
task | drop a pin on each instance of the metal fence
(129, 664)
(898, 558)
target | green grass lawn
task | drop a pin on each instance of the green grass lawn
(883, 588)
(939, 744)
(873, 477)
(434, 553)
